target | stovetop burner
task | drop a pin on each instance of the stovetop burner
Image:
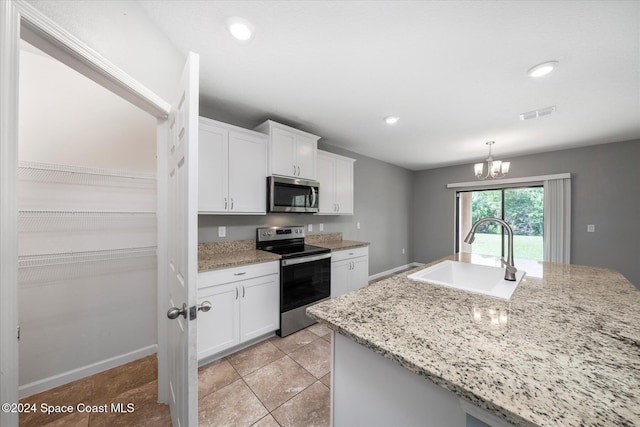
(286, 241)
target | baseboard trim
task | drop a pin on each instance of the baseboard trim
(85, 371)
(394, 270)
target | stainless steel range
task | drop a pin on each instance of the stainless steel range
(305, 274)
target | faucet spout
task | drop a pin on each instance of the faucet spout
(510, 270)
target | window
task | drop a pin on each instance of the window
(521, 207)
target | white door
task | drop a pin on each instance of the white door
(182, 245)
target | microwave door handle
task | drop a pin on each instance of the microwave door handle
(313, 196)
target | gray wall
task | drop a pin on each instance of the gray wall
(605, 192)
(382, 206)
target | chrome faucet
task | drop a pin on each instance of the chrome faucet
(510, 272)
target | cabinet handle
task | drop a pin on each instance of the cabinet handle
(294, 170)
(225, 203)
(231, 203)
(243, 291)
(298, 170)
(236, 292)
(240, 274)
(338, 204)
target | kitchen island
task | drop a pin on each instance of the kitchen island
(565, 350)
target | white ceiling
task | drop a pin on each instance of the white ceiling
(454, 71)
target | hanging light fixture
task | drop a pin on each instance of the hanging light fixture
(495, 168)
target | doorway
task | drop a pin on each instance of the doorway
(23, 21)
(86, 226)
(521, 207)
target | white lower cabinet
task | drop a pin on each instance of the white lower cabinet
(245, 304)
(349, 270)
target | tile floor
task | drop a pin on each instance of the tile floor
(278, 382)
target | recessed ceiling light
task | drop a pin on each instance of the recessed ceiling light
(240, 29)
(391, 120)
(542, 69)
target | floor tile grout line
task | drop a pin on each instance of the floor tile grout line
(300, 392)
(257, 397)
(316, 379)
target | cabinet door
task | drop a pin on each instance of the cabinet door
(259, 306)
(213, 161)
(282, 154)
(340, 278)
(359, 273)
(220, 328)
(306, 149)
(344, 186)
(247, 173)
(326, 179)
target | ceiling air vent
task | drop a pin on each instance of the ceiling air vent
(537, 113)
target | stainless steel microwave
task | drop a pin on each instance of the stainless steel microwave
(292, 195)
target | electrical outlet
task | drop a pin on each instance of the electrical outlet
(321, 227)
(402, 251)
(591, 228)
(310, 227)
(358, 225)
(222, 231)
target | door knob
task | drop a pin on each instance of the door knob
(174, 312)
(204, 307)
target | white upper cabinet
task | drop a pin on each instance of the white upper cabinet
(232, 169)
(292, 152)
(335, 174)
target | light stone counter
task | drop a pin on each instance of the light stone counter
(333, 241)
(565, 350)
(231, 254)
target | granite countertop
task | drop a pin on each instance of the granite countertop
(235, 253)
(333, 241)
(216, 255)
(565, 350)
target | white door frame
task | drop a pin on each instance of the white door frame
(17, 17)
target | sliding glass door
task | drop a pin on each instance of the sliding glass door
(522, 208)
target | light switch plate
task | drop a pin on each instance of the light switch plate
(222, 231)
(321, 227)
(591, 228)
(310, 227)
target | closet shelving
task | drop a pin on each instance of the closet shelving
(77, 221)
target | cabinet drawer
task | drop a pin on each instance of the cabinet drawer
(349, 253)
(234, 274)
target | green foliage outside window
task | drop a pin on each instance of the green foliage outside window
(524, 209)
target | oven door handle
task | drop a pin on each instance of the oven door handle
(293, 261)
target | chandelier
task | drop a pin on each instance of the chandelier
(495, 168)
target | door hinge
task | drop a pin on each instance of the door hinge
(18, 332)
